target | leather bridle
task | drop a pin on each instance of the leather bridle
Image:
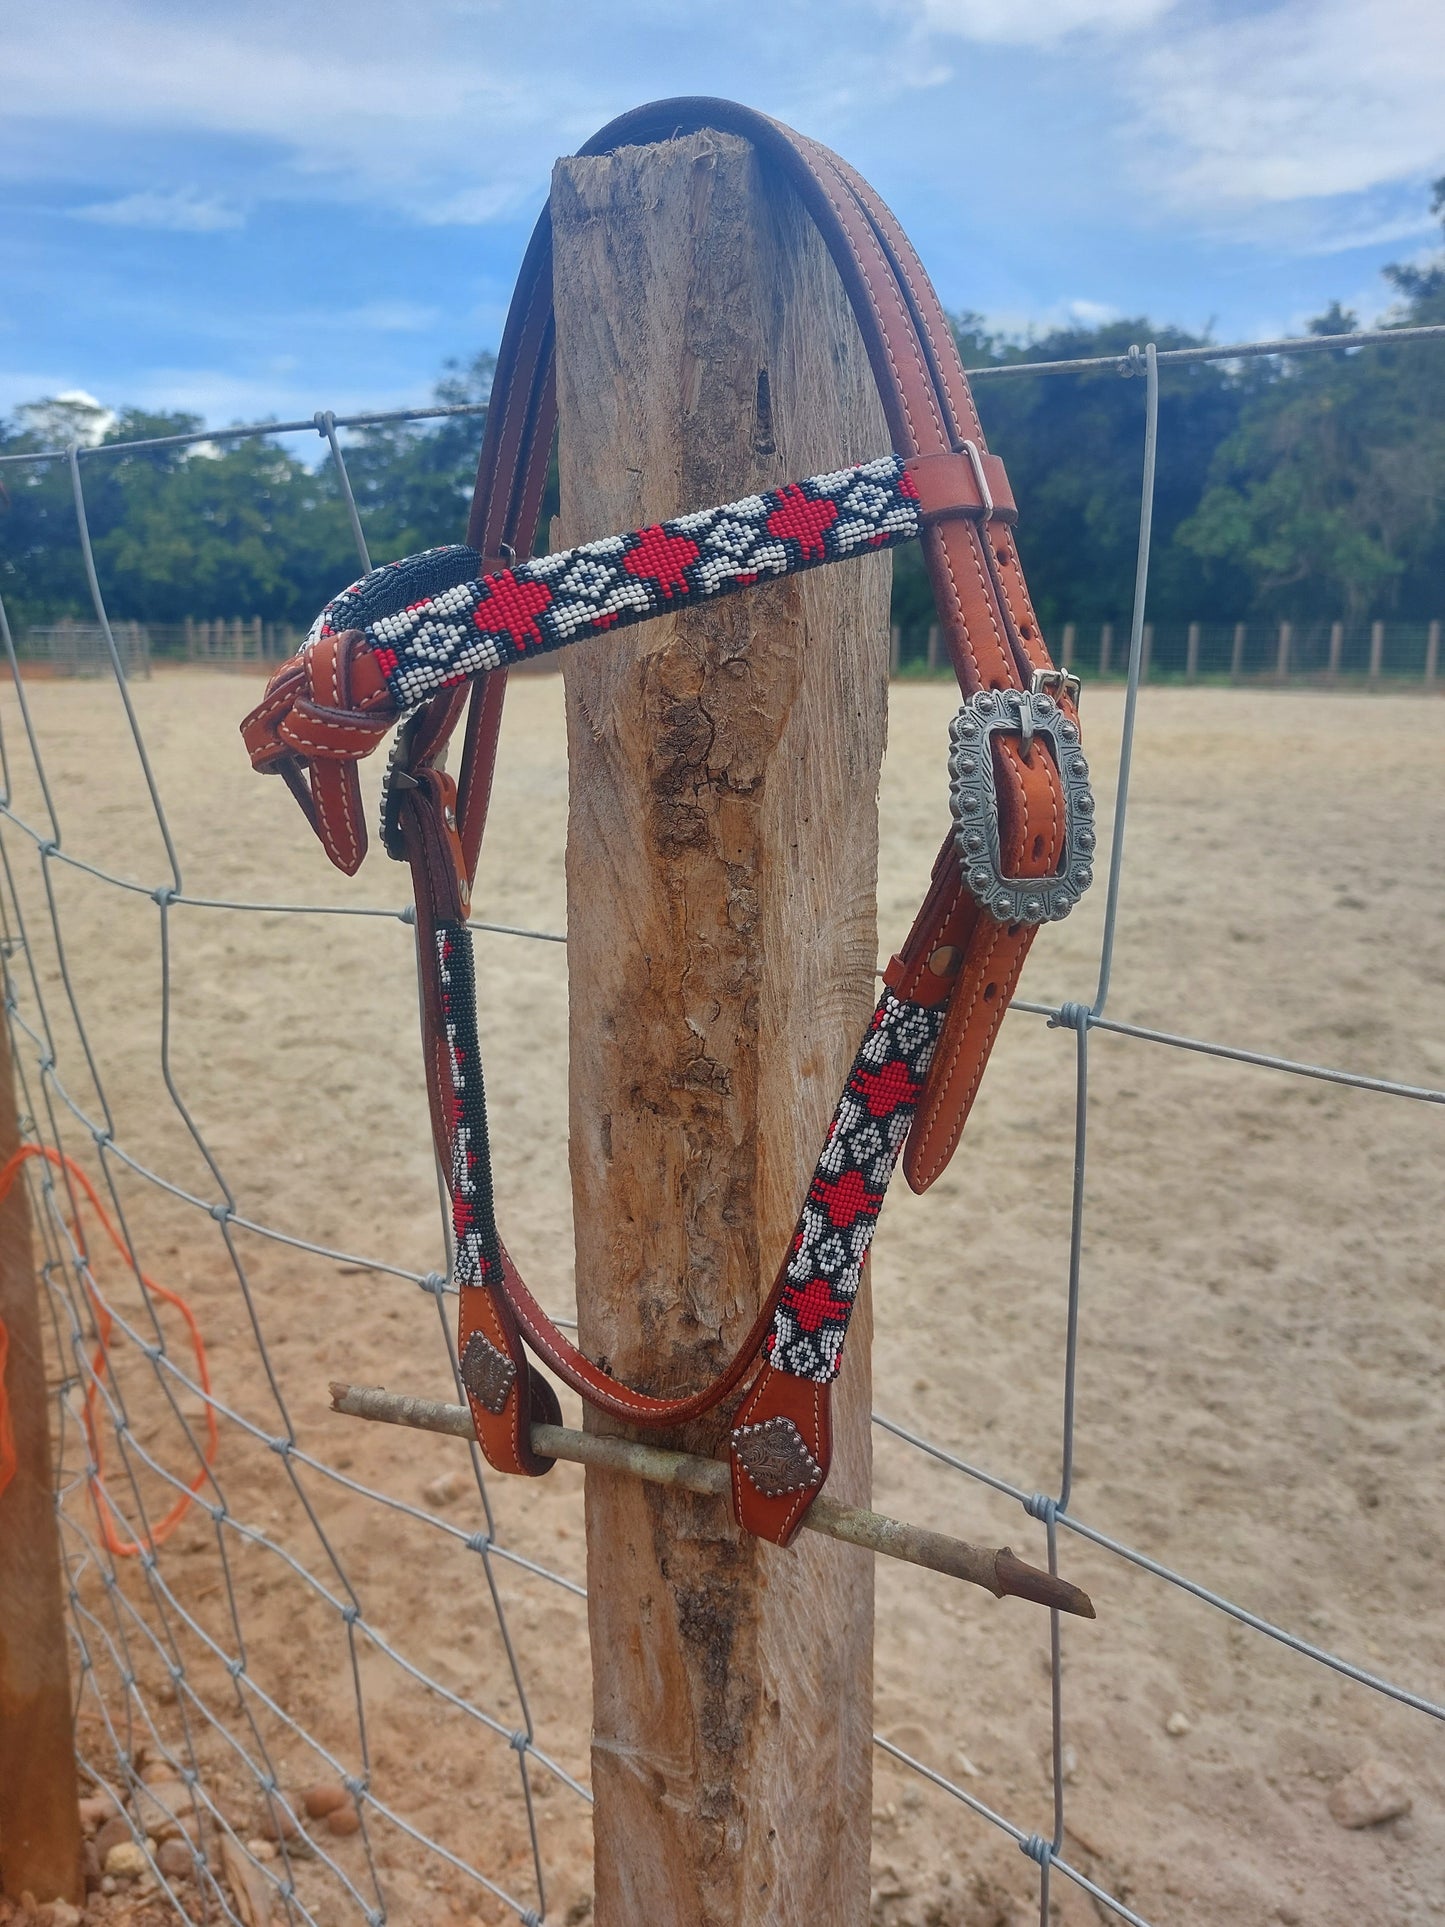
(1018, 852)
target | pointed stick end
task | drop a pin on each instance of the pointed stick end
(1023, 1581)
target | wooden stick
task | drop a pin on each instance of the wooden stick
(997, 1571)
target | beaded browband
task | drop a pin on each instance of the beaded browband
(435, 618)
(410, 640)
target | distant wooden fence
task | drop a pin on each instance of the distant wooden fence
(80, 649)
(74, 648)
(237, 643)
(1190, 652)
(1187, 652)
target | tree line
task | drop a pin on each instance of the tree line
(1288, 488)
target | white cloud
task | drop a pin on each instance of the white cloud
(1232, 107)
(1308, 100)
(445, 113)
(182, 211)
(1036, 23)
(1092, 314)
(364, 102)
(1263, 121)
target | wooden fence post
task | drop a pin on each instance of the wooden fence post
(895, 649)
(1337, 649)
(1432, 652)
(721, 865)
(1236, 653)
(1377, 650)
(1066, 649)
(1106, 644)
(1281, 658)
(39, 1817)
(933, 647)
(1191, 654)
(1146, 652)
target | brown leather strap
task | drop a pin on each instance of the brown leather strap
(502, 1391)
(780, 1446)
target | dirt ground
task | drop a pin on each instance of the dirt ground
(1259, 1395)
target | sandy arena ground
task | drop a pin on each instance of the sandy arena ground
(1259, 1403)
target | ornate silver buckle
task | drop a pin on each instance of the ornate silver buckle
(973, 798)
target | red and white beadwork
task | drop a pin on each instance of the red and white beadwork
(474, 1225)
(837, 1223)
(432, 620)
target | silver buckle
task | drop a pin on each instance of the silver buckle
(973, 798)
(1062, 684)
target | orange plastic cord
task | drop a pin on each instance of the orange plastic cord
(115, 1543)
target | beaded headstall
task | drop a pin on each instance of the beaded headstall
(409, 639)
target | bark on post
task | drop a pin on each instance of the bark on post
(39, 1818)
(721, 867)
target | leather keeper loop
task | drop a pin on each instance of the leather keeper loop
(948, 488)
(321, 734)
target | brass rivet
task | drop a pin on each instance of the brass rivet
(946, 960)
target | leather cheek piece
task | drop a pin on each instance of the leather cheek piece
(499, 1383)
(984, 959)
(980, 1000)
(340, 819)
(780, 1448)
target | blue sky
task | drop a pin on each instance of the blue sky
(245, 207)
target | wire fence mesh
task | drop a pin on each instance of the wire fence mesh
(209, 1536)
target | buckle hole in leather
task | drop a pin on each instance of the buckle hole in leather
(990, 991)
(1026, 631)
(1038, 848)
(1000, 556)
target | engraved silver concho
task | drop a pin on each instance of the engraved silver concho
(487, 1373)
(973, 798)
(776, 1458)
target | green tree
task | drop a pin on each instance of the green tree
(1073, 447)
(1325, 499)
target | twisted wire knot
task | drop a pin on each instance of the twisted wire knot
(1071, 1016)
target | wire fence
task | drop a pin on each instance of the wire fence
(251, 1788)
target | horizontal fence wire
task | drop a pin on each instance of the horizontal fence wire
(160, 1682)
